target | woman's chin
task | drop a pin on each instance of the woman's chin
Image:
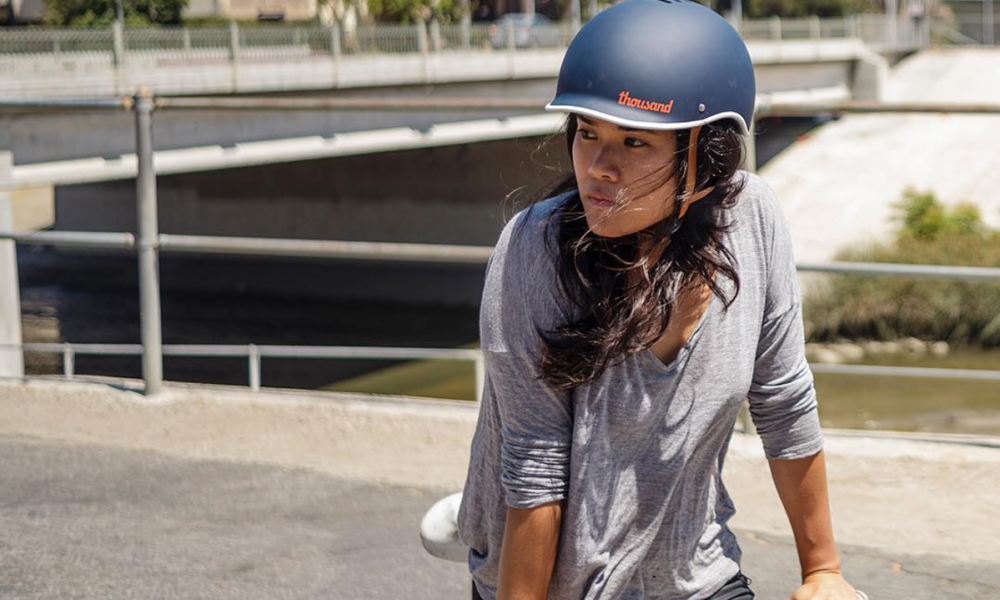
(606, 226)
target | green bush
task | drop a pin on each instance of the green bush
(101, 13)
(884, 308)
(759, 9)
(412, 11)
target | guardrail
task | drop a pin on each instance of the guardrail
(117, 45)
(149, 242)
(255, 353)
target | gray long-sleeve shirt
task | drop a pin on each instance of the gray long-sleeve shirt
(636, 455)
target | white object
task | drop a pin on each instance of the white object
(439, 530)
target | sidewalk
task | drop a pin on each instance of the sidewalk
(224, 494)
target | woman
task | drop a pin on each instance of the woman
(625, 319)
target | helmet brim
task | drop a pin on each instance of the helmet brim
(605, 109)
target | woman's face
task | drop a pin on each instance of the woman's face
(620, 173)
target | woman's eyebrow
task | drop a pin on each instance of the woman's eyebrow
(588, 121)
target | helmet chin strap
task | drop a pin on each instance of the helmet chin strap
(690, 197)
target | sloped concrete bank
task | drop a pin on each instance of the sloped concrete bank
(837, 186)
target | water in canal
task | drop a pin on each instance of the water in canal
(57, 307)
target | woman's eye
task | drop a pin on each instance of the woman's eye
(587, 135)
(635, 143)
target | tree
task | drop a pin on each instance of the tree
(101, 13)
(411, 11)
(757, 9)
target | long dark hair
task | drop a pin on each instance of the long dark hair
(618, 318)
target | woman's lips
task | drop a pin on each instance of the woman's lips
(600, 200)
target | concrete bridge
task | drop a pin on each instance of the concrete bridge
(823, 69)
(114, 62)
(322, 175)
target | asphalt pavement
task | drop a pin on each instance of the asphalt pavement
(92, 521)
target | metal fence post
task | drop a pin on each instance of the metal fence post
(335, 51)
(435, 33)
(815, 28)
(422, 47)
(480, 376)
(776, 29)
(750, 156)
(118, 34)
(234, 53)
(988, 23)
(11, 356)
(421, 37)
(187, 39)
(254, 359)
(511, 46)
(466, 30)
(746, 419)
(148, 230)
(69, 361)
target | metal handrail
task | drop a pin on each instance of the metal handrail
(447, 253)
(255, 352)
(921, 372)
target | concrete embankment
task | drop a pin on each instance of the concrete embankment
(838, 184)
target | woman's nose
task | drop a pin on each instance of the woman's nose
(605, 165)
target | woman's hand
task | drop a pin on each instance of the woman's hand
(825, 586)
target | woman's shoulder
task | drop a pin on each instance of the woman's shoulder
(530, 237)
(522, 294)
(757, 213)
(757, 200)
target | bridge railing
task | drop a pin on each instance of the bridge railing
(879, 31)
(149, 243)
(234, 42)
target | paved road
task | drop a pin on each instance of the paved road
(86, 521)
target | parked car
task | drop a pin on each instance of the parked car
(530, 31)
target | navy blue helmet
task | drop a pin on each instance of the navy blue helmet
(657, 64)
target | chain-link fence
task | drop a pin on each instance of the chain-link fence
(384, 39)
(276, 42)
(55, 41)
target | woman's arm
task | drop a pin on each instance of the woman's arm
(801, 485)
(528, 555)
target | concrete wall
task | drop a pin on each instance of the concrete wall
(293, 10)
(44, 137)
(265, 69)
(200, 8)
(445, 195)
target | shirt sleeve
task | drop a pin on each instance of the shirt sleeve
(782, 394)
(520, 300)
